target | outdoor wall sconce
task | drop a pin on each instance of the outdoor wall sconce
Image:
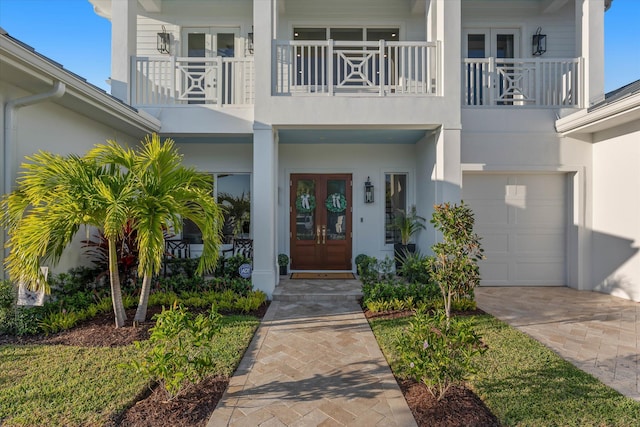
(164, 41)
(539, 43)
(368, 191)
(250, 41)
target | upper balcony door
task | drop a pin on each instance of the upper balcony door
(201, 76)
(497, 43)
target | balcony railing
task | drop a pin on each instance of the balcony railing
(346, 68)
(171, 80)
(523, 82)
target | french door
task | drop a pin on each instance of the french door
(320, 233)
(203, 82)
(498, 43)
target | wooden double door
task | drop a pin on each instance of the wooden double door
(320, 221)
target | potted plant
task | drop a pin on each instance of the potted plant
(283, 262)
(408, 223)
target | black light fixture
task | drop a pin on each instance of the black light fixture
(250, 40)
(539, 43)
(164, 41)
(368, 191)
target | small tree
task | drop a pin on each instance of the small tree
(455, 264)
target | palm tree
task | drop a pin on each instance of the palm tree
(165, 193)
(55, 195)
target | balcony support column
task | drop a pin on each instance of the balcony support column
(124, 15)
(264, 199)
(447, 173)
(590, 42)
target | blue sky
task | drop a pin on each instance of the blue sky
(69, 32)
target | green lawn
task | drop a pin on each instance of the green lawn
(57, 385)
(526, 384)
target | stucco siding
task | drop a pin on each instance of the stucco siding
(616, 207)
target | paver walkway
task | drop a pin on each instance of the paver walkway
(598, 333)
(313, 362)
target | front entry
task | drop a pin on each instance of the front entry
(320, 221)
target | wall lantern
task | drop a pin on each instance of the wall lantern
(250, 41)
(539, 43)
(368, 191)
(164, 41)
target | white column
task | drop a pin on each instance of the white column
(263, 28)
(449, 30)
(447, 173)
(590, 42)
(264, 200)
(124, 14)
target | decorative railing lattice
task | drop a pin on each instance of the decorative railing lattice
(172, 80)
(339, 67)
(523, 82)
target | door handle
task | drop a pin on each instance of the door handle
(318, 234)
(324, 234)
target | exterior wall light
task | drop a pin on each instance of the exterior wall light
(539, 43)
(250, 41)
(164, 41)
(368, 191)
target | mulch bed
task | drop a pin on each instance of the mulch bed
(153, 408)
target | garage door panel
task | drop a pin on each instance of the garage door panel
(551, 214)
(494, 243)
(541, 272)
(494, 272)
(487, 213)
(521, 219)
(541, 242)
(541, 186)
(485, 187)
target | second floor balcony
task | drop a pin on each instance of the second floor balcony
(357, 68)
(361, 69)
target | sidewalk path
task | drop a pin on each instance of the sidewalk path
(313, 363)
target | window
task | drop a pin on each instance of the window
(395, 190)
(233, 192)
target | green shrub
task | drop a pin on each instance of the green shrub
(180, 352)
(415, 268)
(251, 302)
(439, 351)
(27, 319)
(63, 320)
(8, 297)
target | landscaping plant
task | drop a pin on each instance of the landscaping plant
(454, 266)
(181, 352)
(439, 351)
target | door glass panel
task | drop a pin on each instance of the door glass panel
(504, 46)
(226, 45)
(476, 46)
(305, 209)
(336, 206)
(395, 201)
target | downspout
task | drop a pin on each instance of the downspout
(10, 109)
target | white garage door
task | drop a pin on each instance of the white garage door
(521, 219)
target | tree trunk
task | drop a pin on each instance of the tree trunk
(141, 311)
(116, 291)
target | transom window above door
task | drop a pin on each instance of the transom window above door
(346, 34)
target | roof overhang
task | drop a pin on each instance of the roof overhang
(24, 68)
(606, 117)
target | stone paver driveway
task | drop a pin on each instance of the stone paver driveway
(598, 333)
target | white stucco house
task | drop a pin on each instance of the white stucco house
(329, 116)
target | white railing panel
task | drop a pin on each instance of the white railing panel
(173, 80)
(522, 82)
(338, 67)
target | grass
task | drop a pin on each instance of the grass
(526, 384)
(58, 385)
